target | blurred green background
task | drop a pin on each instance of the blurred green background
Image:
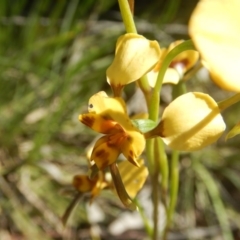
(53, 57)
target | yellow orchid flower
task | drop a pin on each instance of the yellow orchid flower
(134, 57)
(179, 66)
(127, 181)
(133, 178)
(85, 184)
(108, 115)
(190, 122)
(215, 30)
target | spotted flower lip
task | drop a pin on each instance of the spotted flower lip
(109, 116)
(134, 57)
(214, 28)
(127, 180)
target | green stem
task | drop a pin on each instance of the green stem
(174, 183)
(70, 208)
(146, 89)
(178, 90)
(155, 101)
(192, 72)
(147, 226)
(229, 102)
(127, 16)
(151, 166)
(155, 186)
(150, 155)
(163, 168)
(155, 199)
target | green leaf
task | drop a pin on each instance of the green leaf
(233, 132)
(144, 125)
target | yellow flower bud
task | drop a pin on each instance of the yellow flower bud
(134, 57)
(191, 122)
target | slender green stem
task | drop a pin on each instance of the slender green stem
(163, 168)
(214, 194)
(155, 187)
(229, 102)
(160, 167)
(155, 200)
(193, 71)
(178, 89)
(154, 105)
(174, 183)
(70, 208)
(127, 16)
(151, 166)
(150, 155)
(147, 226)
(146, 89)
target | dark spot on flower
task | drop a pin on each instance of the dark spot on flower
(87, 120)
(131, 153)
(99, 153)
(101, 158)
(183, 62)
(102, 154)
(129, 139)
(77, 181)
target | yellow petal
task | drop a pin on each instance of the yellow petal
(185, 60)
(180, 64)
(83, 183)
(234, 131)
(96, 103)
(214, 27)
(100, 103)
(103, 154)
(133, 146)
(135, 56)
(110, 108)
(98, 123)
(191, 122)
(171, 76)
(133, 178)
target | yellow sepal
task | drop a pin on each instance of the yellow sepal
(191, 122)
(134, 57)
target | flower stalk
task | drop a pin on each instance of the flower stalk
(155, 100)
(174, 183)
(229, 102)
(127, 16)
